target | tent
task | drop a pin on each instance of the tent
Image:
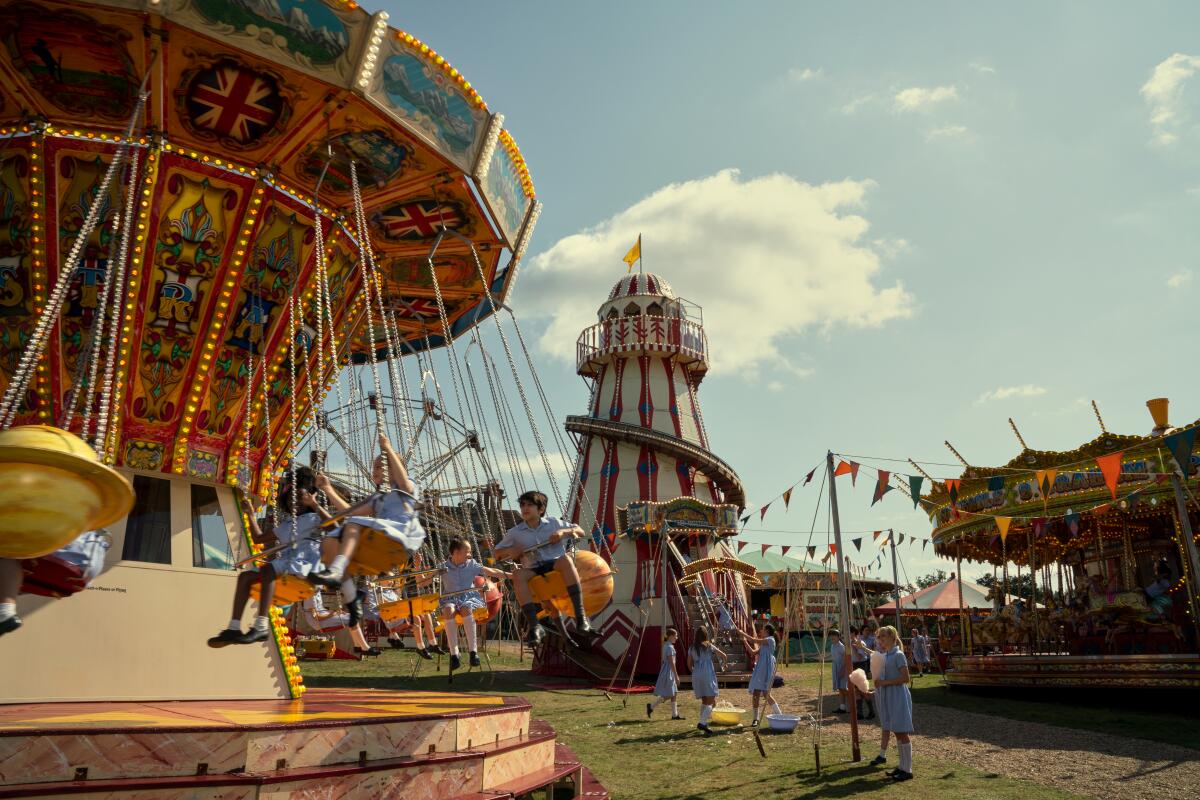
(942, 598)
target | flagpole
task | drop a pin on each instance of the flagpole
(895, 578)
(843, 604)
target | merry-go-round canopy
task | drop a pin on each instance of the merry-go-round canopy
(942, 598)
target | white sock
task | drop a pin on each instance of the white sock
(7, 611)
(235, 624)
(349, 590)
(469, 625)
(906, 756)
(261, 623)
(674, 709)
(658, 701)
(882, 751)
(452, 635)
(338, 567)
(705, 714)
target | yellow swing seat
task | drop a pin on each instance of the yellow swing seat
(408, 608)
(377, 554)
(289, 589)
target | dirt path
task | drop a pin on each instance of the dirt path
(1093, 764)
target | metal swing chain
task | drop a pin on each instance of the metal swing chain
(293, 495)
(367, 264)
(101, 444)
(53, 309)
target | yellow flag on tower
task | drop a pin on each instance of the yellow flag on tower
(634, 254)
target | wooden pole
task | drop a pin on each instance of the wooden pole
(787, 615)
(843, 604)
(895, 580)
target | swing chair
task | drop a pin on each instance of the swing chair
(595, 585)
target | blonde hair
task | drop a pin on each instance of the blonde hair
(891, 631)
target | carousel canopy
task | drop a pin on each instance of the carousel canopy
(184, 151)
(942, 598)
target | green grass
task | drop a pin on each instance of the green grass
(1078, 709)
(640, 759)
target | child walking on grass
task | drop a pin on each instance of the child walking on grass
(704, 675)
(667, 686)
(893, 702)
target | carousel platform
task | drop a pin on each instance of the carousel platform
(336, 743)
(1149, 671)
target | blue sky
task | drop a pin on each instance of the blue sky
(905, 224)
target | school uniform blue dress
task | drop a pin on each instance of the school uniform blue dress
(894, 703)
(704, 675)
(303, 552)
(764, 667)
(460, 578)
(665, 686)
(837, 657)
(395, 515)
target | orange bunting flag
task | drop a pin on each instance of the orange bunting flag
(843, 468)
(1003, 523)
(762, 512)
(787, 497)
(832, 547)
(1110, 466)
(875, 535)
(1045, 481)
(952, 485)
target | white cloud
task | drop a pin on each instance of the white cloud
(918, 98)
(775, 386)
(1163, 93)
(947, 132)
(804, 74)
(766, 258)
(854, 105)
(1005, 392)
(981, 67)
(1180, 279)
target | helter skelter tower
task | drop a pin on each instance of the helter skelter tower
(643, 439)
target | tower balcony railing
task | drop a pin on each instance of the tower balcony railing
(645, 333)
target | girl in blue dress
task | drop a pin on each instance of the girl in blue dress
(394, 513)
(893, 701)
(667, 686)
(461, 596)
(764, 668)
(704, 675)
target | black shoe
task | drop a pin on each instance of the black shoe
(534, 638)
(455, 663)
(253, 636)
(878, 761)
(370, 651)
(424, 653)
(700, 726)
(900, 775)
(397, 644)
(677, 717)
(327, 577)
(436, 649)
(12, 623)
(706, 729)
(754, 724)
(222, 639)
(583, 626)
(649, 710)
(474, 659)
(891, 773)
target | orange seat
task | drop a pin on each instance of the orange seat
(408, 608)
(595, 584)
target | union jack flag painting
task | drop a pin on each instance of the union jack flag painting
(417, 308)
(233, 103)
(420, 219)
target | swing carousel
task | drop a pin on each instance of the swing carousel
(217, 217)
(1094, 552)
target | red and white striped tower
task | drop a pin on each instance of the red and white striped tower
(643, 438)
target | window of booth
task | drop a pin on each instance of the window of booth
(148, 529)
(210, 537)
